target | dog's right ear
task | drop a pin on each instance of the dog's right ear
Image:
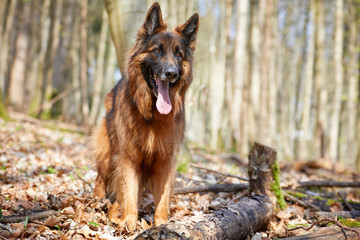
(153, 22)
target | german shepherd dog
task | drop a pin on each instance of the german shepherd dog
(144, 125)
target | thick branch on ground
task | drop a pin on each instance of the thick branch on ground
(324, 183)
(331, 232)
(20, 218)
(333, 215)
(213, 188)
(235, 221)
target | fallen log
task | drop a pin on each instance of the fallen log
(326, 233)
(234, 221)
(324, 183)
(226, 187)
(333, 215)
(237, 220)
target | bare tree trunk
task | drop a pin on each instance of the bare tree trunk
(239, 73)
(320, 76)
(8, 23)
(121, 12)
(99, 73)
(83, 62)
(109, 80)
(53, 41)
(217, 80)
(352, 90)
(16, 90)
(306, 95)
(335, 115)
(265, 73)
(256, 37)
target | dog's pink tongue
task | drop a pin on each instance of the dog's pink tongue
(163, 103)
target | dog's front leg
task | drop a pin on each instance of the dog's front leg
(126, 183)
(161, 183)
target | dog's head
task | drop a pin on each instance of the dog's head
(165, 60)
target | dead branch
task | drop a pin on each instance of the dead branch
(347, 204)
(33, 216)
(236, 221)
(227, 187)
(325, 183)
(333, 215)
(218, 172)
(326, 220)
(300, 202)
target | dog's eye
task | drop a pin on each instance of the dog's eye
(178, 54)
(156, 50)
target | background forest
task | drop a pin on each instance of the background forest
(284, 73)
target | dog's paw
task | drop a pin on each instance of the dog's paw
(160, 220)
(128, 223)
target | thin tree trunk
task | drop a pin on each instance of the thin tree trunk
(320, 76)
(239, 73)
(217, 80)
(121, 12)
(265, 72)
(99, 73)
(16, 90)
(353, 86)
(109, 80)
(336, 104)
(8, 23)
(83, 62)
(306, 95)
(53, 41)
(256, 38)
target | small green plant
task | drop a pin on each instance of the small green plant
(93, 223)
(18, 128)
(26, 222)
(52, 170)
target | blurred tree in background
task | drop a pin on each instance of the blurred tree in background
(283, 73)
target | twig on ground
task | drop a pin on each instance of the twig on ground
(218, 172)
(300, 202)
(347, 204)
(82, 179)
(326, 220)
(20, 218)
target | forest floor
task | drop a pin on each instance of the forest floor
(47, 178)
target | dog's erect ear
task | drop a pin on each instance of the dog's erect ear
(189, 29)
(153, 21)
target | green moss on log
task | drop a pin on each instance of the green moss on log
(275, 186)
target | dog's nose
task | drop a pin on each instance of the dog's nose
(171, 74)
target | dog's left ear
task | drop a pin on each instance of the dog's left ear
(189, 30)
